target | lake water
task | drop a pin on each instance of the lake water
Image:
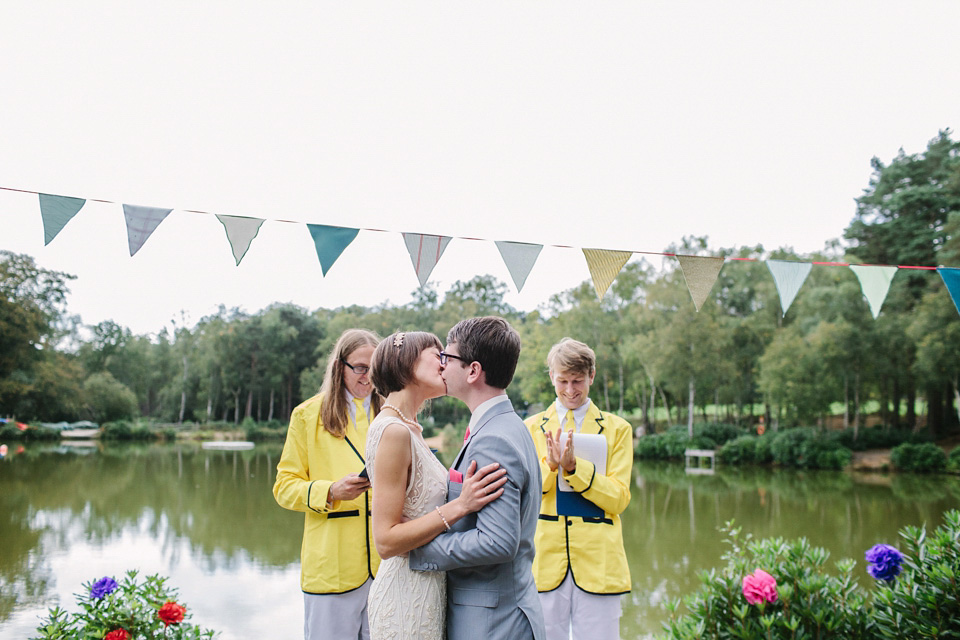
(207, 519)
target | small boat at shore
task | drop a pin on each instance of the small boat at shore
(227, 445)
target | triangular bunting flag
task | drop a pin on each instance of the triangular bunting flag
(701, 273)
(951, 278)
(56, 212)
(330, 242)
(240, 233)
(141, 223)
(604, 266)
(425, 251)
(875, 283)
(789, 277)
(519, 258)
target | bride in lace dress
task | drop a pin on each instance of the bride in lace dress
(409, 490)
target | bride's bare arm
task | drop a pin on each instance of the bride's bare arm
(391, 535)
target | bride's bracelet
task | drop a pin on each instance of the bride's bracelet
(445, 523)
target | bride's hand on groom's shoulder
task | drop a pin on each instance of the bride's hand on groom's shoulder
(482, 486)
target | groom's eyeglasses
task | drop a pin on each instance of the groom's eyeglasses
(359, 369)
(445, 357)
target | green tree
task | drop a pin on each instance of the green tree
(902, 219)
(32, 304)
(107, 399)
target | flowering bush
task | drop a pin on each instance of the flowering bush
(796, 599)
(917, 593)
(123, 611)
(924, 601)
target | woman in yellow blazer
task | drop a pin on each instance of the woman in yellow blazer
(580, 566)
(318, 474)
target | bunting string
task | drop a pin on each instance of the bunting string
(700, 272)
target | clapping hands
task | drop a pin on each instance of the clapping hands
(560, 454)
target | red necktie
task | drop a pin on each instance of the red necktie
(466, 436)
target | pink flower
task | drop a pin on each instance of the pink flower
(759, 587)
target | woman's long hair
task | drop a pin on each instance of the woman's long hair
(333, 412)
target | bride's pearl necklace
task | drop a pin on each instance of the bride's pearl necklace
(387, 405)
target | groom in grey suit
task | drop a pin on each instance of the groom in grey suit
(488, 555)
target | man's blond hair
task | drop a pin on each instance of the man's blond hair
(573, 356)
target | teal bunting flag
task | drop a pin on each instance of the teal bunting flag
(330, 242)
(56, 212)
(951, 278)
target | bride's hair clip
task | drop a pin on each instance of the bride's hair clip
(398, 340)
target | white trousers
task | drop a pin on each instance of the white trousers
(337, 616)
(570, 612)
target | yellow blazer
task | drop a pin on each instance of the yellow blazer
(337, 554)
(591, 548)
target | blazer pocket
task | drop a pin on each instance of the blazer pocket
(475, 597)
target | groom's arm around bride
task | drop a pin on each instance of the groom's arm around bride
(488, 556)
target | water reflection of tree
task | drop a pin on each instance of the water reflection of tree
(221, 502)
(24, 576)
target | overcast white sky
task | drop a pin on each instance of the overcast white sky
(616, 125)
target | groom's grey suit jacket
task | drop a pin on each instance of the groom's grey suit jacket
(488, 555)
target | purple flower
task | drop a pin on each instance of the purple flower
(102, 587)
(883, 562)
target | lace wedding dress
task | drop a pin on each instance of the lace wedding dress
(403, 603)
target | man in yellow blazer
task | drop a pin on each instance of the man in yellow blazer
(319, 474)
(580, 566)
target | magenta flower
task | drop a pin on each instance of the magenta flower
(759, 587)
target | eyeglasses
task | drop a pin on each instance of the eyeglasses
(445, 357)
(359, 369)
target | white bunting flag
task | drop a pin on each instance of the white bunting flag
(141, 223)
(519, 258)
(56, 212)
(605, 266)
(425, 251)
(701, 273)
(789, 277)
(240, 233)
(875, 283)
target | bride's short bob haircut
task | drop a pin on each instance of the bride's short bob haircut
(394, 359)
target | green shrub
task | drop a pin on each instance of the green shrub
(739, 451)
(719, 433)
(924, 602)
(764, 451)
(10, 431)
(878, 437)
(669, 445)
(919, 458)
(805, 448)
(953, 460)
(34, 433)
(809, 603)
(915, 595)
(260, 433)
(126, 430)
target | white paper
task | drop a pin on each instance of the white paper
(589, 446)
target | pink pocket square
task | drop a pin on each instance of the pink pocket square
(456, 476)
